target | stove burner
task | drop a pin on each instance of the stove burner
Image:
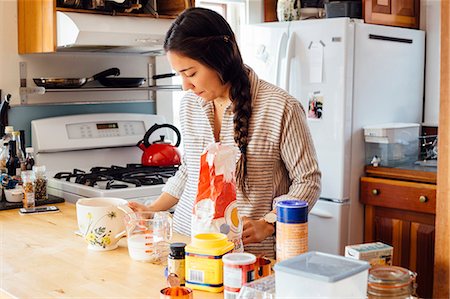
(117, 177)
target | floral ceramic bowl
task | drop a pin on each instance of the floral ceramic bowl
(101, 222)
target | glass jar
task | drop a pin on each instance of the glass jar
(28, 189)
(391, 282)
(40, 183)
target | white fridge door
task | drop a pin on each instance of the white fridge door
(319, 74)
(328, 224)
(263, 48)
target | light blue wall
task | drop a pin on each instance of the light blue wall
(21, 116)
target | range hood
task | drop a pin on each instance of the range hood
(83, 32)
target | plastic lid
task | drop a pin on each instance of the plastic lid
(29, 150)
(9, 129)
(177, 249)
(237, 259)
(292, 211)
(322, 266)
(39, 168)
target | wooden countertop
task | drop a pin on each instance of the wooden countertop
(41, 257)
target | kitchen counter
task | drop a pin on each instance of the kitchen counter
(42, 257)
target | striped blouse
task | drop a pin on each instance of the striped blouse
(281, 160)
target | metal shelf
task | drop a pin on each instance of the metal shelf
(145, 88)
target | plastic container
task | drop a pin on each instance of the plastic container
(28, 189)
(238, 269)
(321, 275)
(292, 228)
(391, 282)
(40, 183)
(263, 288)
(394, 144)
(176, 261)
(204, 266)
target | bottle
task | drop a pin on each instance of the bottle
(29, 160)
(4, 154)
(292, 228)
(391, 282)
(8, 134)
(40, 183)
(176, 262)
(13, 162)
(28, 189)
(19, 152)
(5, 149)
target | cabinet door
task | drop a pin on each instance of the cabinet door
(412, 236)
(403, 13)
(36, 26)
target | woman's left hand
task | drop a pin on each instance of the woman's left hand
(255, 231)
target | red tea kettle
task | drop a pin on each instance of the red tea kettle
(160, 152)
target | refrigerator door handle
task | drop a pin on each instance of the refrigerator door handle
(320, 213)
(289, 56)
(281, 51)
(391, 39)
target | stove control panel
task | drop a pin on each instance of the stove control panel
(105, 129)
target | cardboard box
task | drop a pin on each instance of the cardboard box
(375, 253)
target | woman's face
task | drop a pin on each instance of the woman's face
(200, 79)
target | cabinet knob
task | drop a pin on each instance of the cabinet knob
(375, 191)
(423, 198)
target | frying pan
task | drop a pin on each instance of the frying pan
(119, 82)
(50, 83)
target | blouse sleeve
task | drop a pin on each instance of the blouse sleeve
(175, 185)
(299, 156)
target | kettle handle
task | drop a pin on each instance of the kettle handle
(156, 127)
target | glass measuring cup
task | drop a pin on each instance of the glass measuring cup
(148, 236)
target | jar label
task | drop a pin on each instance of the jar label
(292, 240)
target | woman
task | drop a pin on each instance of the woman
(227, 102)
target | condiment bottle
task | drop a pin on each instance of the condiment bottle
(29, 160)
(13, 162)
(292, 228)
(4, 157)
(40, 183)
(28, 189)
(391, 282)
(176, 261)
(19, 152)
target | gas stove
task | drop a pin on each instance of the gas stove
(86, 141)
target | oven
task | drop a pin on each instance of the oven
(95, 155)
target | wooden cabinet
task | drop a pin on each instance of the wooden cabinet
(37, 21)
(404, 13)
(400, 210)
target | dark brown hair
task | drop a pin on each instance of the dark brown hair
(205, 36)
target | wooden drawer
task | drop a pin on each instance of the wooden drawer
(402, 195)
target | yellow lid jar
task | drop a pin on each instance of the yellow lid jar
(204, 266)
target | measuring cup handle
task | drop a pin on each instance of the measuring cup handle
(169, 226)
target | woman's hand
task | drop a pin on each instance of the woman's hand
(255, 231)
(138, 207)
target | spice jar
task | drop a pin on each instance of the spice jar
(391, 282)
(291, 229)
(176, 261)
(40, 182)
(28, 189)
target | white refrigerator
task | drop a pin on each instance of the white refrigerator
(347, 74)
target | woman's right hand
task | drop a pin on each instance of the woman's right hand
(138, 207)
